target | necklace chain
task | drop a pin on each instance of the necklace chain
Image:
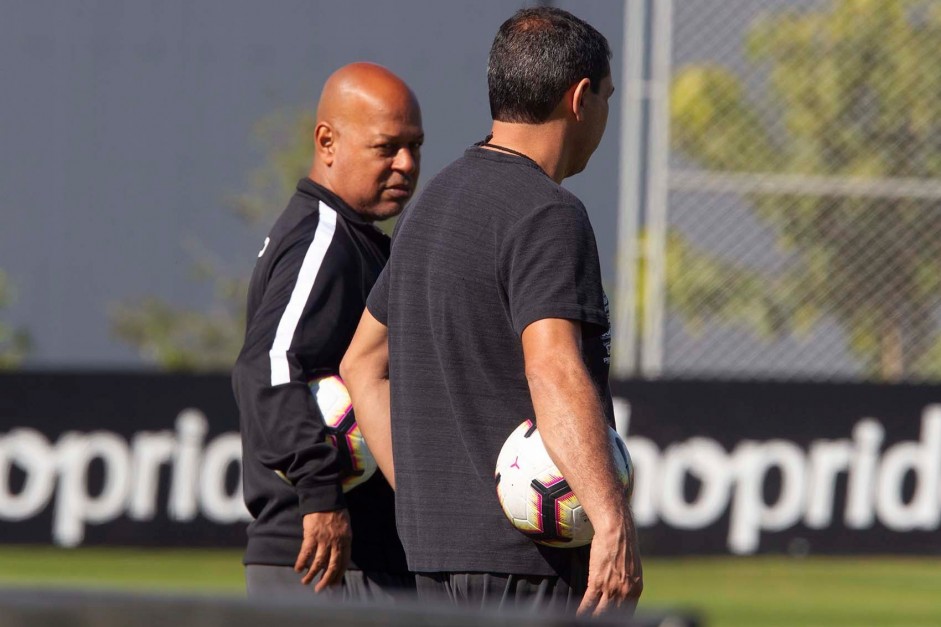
(486, 142)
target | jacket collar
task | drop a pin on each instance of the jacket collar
(309, 188)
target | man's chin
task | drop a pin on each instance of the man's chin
(383, 211)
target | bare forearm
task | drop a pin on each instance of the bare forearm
(571, 422)
(371, 404)
(365, 369)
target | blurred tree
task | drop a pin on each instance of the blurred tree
(286, 139)
(852, 94)
(715, 289)
(14, 343)
(176, 338)
(186, 339)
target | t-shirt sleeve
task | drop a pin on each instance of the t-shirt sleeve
(549, 268)
(378, 301)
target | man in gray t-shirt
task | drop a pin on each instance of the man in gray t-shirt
(491, 311)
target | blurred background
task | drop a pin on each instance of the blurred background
(767, 206)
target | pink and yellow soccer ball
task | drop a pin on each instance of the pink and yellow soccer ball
(333, 399)
(535, 496)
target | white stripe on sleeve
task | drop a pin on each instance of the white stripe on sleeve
(326, 227)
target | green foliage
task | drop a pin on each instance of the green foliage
(717, 289)
(184, 339)
(176, 338)
(287, 141)
(849, 96)
(712, 121)
(14, 342)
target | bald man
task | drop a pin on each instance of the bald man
(308, 290)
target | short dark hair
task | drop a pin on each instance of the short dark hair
(536, 56)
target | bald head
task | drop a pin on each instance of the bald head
(362, 89)
(367, 139)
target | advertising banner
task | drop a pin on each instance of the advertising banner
(741, 468)
(784, 467)
(127, 459)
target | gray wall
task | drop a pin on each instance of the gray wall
(125, 127)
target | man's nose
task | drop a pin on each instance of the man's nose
(406, 161)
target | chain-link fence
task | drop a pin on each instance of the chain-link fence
(799, 235)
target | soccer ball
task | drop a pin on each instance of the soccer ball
(356, 460)
(535, 496)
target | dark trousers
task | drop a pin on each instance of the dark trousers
(501, 591)
(262, 581)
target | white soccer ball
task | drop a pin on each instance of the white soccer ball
(535, 496)
(356, 460)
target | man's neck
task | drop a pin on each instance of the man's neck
(543, 143)
(335, 201)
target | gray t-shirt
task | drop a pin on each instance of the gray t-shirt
(490, 245)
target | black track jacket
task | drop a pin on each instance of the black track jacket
(306, 296)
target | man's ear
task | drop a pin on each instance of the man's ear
(578, 93)
(325, 142)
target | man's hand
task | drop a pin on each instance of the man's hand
(325, 547)
(615, 577)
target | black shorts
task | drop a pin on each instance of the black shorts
(262, 581)
(502, 591)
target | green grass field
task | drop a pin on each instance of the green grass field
(724, 591)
